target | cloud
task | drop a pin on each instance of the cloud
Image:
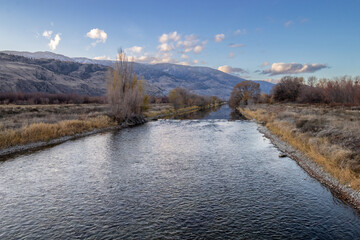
(288, 23)
(232, 45)
(198, 49)
(293, 68)
(240, 31)
(191, 43)
(231, 55)
(54, 42)
(134, 49)
(184, 56)
(273, 80)
(219, 37)
(102, 58)
(47, 34)
(174, 36)
(228, 69)
(165, 47)
(98, 34)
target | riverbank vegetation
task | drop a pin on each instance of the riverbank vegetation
(182, 98)
(318, 117)
(48, 98)
(125, 93)
(330, 136)
(337, 91)
(244, 93)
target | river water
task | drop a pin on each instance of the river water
(203, 178)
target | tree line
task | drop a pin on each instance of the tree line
(337, 91)
(181, 97)
(47, 98)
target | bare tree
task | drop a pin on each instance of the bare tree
(243, 92)
(124, 90)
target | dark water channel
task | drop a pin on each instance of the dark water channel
(204, 178)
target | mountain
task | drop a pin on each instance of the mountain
(23, 74)
(160, 78)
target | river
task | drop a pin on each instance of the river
(200, 178)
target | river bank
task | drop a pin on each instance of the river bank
(25, 127)
(315, 137)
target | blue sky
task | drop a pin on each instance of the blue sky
(253, 39)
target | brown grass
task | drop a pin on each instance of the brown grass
(37, 132)
(328, 136)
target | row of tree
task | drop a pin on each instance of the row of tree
(47, 98)
(181, 97)
(344, 90)
(337, 91)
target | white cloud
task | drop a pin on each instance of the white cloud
(273, 80)
(240, 31)
(184, 56)
(288, 23)
(98, 34)
(191, 44)
(47, 34)
(174, 36)
(135, 49)
(54, 42)
(196, 61)
(102, 58)
(228, 69)
(219, 37)
(232, 45)
(198, 49)
(231, 55)
(165, 47)
(293, 68)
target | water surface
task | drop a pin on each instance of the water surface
(170, 179)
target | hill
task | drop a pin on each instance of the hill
(87, 75)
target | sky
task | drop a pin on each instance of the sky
(253, 39)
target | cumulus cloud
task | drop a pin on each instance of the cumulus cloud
(240, 31)
(288, 23)
(228, 69)
(98, 34)
(54, 42)
(47, 34)
(166, 37)
(191, 43)
(134, 49)
(184, 56)
(293, 68)
(165, 47)
(219, 37)
(232, 45)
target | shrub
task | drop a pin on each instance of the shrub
(244, 92)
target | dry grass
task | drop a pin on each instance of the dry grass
(23, 124)
(37, 132)
(164, 110)
(329, 136)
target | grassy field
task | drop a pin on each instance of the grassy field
(330, 136)
(22, 124)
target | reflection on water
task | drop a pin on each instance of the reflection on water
(174, 179)
(217, 112)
